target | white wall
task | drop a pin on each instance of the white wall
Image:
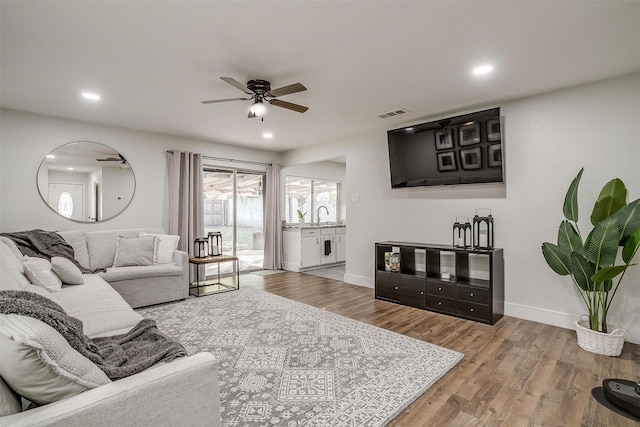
(547, 139)
(26, 138)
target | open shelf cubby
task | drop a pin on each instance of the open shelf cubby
(462, 282)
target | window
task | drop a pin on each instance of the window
(311, 196)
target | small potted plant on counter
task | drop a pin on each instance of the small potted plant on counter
(301, 217)
(591, 263)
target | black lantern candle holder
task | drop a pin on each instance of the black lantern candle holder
(215, 243)
(483, 230)
(201, 247)
(462, 232)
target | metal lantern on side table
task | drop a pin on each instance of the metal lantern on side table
(215, 243)
(462, 232)
(201, 247)
(483, 230)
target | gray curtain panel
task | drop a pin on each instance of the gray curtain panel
(272, 228)
(186, 198)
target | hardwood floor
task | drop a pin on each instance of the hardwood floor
(515, 373)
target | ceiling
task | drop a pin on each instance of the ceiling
(154, 61)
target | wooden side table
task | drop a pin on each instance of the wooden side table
(212, 287)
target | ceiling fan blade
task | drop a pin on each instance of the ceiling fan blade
(213, 101)
(288, 105)
(234, 82)
(286, 90)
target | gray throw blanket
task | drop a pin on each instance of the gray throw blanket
(44, 244)
(117, 356)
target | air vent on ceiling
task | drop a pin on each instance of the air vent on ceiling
(393, 113)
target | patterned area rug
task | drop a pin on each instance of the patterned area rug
(284, 363)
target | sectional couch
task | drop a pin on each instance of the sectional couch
(183, 392)
(139, 285)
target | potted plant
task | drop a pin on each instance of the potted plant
(591, 262)
(301, 217)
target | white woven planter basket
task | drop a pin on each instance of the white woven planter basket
(609, 344)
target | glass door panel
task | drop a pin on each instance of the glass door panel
(234, 206)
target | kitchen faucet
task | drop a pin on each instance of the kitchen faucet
(318, 213)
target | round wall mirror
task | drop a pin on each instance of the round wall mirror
(86, 181)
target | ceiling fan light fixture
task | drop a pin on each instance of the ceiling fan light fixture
(258, 109)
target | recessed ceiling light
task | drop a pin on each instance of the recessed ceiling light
(267, 135)
(69, 169)
(91, 96)
(483, 69)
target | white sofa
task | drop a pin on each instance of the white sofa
(139, 285)
(183, 392)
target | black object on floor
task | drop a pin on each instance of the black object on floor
(620, 397)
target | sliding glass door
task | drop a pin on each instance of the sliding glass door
(234, 205)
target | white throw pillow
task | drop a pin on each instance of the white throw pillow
(67, 271)
(12, 276)
(134, 251)
(39, 364)
(167, 244)
(38, 271)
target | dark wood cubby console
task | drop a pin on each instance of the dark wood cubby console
(467, 283)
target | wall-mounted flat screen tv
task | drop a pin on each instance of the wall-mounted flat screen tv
(464, 149)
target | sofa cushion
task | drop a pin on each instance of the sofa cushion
(11, 245)
(102, 245)
(101, 309)
(39, 364)
(167, 244)
(77, 239)
(9, 400)
(38, 271)
(67, 271)
(140, 272)
(135, 251)
(12, 276)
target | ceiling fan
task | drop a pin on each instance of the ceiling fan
(261, 92)
(120, 159)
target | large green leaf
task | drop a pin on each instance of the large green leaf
(570, 208)
(601, 246)
(611, 199)
(558, 260)
(568, 238)
(608, 273)
(628, 220)
(582, 270)
(631, 247)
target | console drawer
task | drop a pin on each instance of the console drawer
(472, 294)
(440, 289)
(473, 311)
(444, 305)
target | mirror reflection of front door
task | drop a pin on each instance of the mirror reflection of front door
(68, 200)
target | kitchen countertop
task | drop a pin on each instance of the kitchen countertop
(312, 226)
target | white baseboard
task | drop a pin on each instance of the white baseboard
(289, 266)
(555, 318)
(352, 279)
(541, 315)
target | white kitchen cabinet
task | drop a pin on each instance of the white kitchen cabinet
(328, 245)
(341, 244)
(310, 251)
(304, 248)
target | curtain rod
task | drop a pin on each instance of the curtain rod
(248, 162)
